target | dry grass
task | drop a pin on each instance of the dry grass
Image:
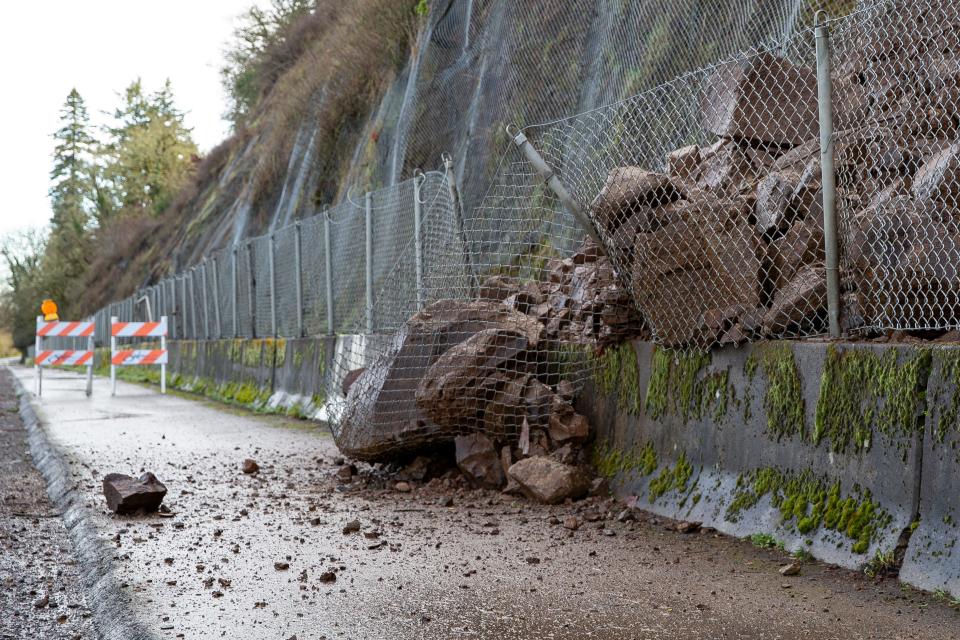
(345, 67)
(125, 245)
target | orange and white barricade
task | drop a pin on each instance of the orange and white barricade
(133, 357)
(57, 357)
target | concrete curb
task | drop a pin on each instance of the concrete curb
(729, 440)
(112, 615)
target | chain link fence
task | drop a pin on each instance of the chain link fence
(277, 285)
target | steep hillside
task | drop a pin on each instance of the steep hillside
(366, 91)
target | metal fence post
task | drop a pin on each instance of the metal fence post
(273, 286)
(193, 303)
(368, 241)
(461, 226)
(418, 237)
(828, 177)
(216, 297)
(234, 293)
(554, 183)
(203, 293)
(252, 291)
(328, 271)
(298, 276)
(174, 332)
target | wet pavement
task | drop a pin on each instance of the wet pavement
(265, 555)
(40, 590)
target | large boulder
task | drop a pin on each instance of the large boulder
(548, 481)
(695, 268)
(762, 98)
(126, 494)
(380, 417)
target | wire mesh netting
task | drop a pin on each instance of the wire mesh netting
(896, 73)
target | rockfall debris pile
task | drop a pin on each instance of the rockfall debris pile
(487, 375)
(726, 244)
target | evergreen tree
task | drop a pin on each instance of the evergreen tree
(70, 198)
(149, 153)
(72, 157)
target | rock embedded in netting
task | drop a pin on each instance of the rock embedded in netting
(762, 98)
(801, 305)
(629, 192)
(688, 271)
(126, 494)
(380, 417)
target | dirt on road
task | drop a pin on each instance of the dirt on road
(296, 550)
(40, 591)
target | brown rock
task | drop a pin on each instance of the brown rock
(938, 180)
(497, 288)
(381, 418)
(799, 303)
(566, 424)
(250, 466)
(800, 246)
(762, 98)
(630, 191)
(126, 495)
(684, 163)
(549, 481)
(726, 167)
(478, 460)
(454, 391)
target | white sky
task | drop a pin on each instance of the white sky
(99, 47)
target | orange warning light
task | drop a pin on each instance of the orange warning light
(49, 309)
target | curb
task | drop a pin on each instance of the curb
(112, 616)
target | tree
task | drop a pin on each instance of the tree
(23, 256)
(72, 164)
(71, 198)
(148, 155)
(258, 31)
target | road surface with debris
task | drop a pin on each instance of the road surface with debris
(292, 551)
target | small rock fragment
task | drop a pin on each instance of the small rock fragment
(250, 466)
(791, 569)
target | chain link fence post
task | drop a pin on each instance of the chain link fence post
(552, 181)
(461, 226)
(271, 263)
(418, 181)
(828, 177)
(203, 293)
(193, 303)
(328, 270)
(216, 297)
(252, 290)
(298, 276)
(234, 293)
(368, 243)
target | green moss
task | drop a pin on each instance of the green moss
(678, 386)
(783, 398)
(617, 373)
(675, 478)
(949, 380)
(610, 461)
(861, 392)
(808, 503)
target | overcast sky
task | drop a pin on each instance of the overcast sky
(99, 47)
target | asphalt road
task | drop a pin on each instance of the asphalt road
(245, 556)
